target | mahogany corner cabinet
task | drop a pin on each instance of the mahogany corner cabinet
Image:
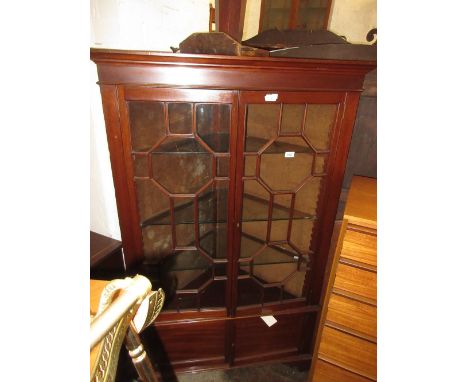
(227, 174)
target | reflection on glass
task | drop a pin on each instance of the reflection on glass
(213, 239)
(183, 173)
(146, 124)
(180, 118)
(213, 125)
(157, 242)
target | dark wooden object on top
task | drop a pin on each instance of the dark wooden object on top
(227, 173)
(217, 43)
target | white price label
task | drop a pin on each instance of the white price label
(271, 97)
(269, 320)
(289, 154)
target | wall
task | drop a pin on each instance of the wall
(127, 24)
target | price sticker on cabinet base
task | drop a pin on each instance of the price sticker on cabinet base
(289, 154)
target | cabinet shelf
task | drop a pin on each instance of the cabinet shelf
(218, 142)
(273, 254)
(253, 207)
(253, 144)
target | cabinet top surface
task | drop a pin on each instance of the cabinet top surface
(99, 54)
(361, 207)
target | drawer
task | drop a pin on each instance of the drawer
(360, 246)
(356, 280)
(353, 314)
(352, 353)
(326, 372)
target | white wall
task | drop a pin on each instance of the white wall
(353, 19)
(130, 24)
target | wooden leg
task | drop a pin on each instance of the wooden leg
(140, 360)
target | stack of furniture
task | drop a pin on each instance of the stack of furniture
(347, 336)
(227, 173)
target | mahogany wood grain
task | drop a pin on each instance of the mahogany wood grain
(327, 372)
(131, 243)
(225, 337)
(352, 353)
(353, 314)
(355, 280)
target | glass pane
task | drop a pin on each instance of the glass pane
(213, 202)
(146, 124)
(140, 165)
(281, 206)
(153, 204)
(214, 295)
(301, 232)
(320, 164)
(292, 118)
(262, 125)
(213, 239)
(182, 172)
(185, 235)
(250, 165)
(279, 230)
(222, 166)
(249, 292)
(273, 273)
(255, 201)
(180, 118)
(293, 286)
(157, 242)
(307, 197)
(283, 173)
(253, 237)
(184, 211)
(276, 254)
(213, 125)
(319, 123)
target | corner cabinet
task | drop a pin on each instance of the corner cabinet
(227, 174)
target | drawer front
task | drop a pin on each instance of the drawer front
(350, 352)
(188, 344)
(353, 314)
(355, 280)
(360, 246)
(255, 340)
(326, 372)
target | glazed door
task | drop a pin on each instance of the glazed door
(180, 145)
(285, 150)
